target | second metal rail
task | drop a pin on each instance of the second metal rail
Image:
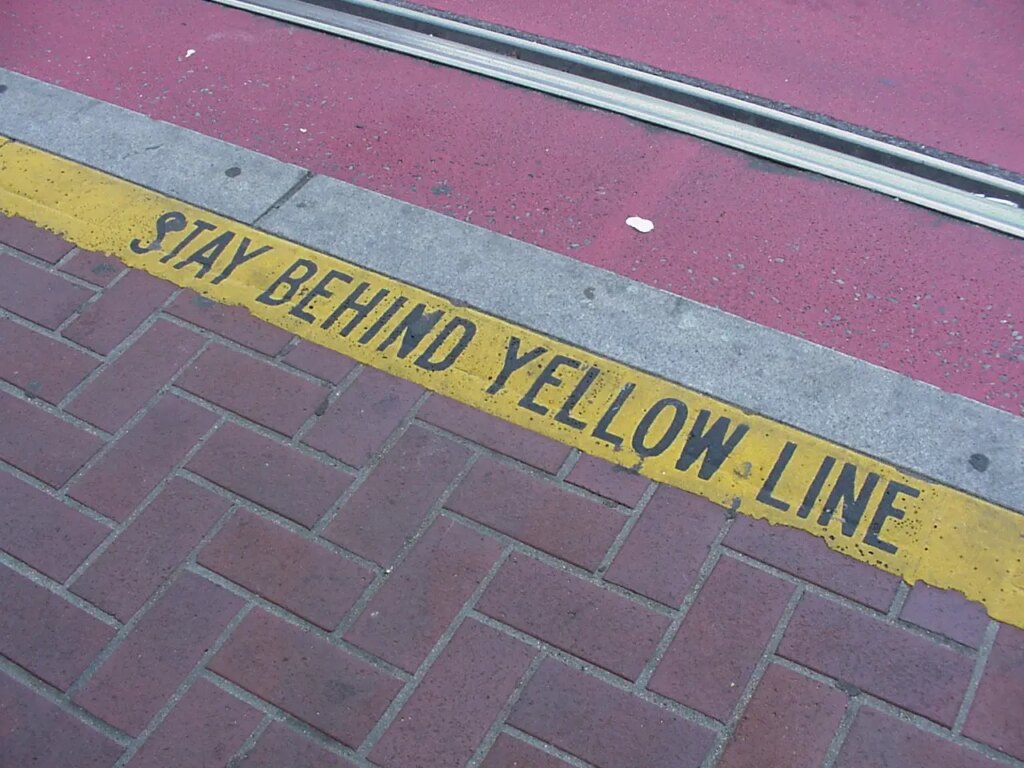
(956, 190)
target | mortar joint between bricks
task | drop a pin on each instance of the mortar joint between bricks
(898, 601)
(64, 260)
(714, 555)
(62, 701)
(853, 706)
(755, 676)
(548, 749)
(361, 474)
(286, 719)
(571, 459)
(499, 722)
(409, 688)
(148, 499)
(272, 608)
(282, 353)
(522, 548)
(247, 746)
(524, 467)
(50, 334)
(55, 587)
(384, 572)
(627, 528)
(183, 687)
(866, 699)
(600, 673)
(984, 651)
(111, 358)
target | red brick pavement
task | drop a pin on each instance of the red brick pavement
(225, 547)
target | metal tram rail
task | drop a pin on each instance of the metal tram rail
(982, 196)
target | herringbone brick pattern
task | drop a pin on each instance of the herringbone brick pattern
(222, 546)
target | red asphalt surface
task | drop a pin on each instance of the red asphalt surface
(898, 286)
(948, 74)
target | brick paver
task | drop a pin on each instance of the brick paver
(719, 643)
(232, 323)
(809, 558)
(261, 556)
(93, 267)
(356, 425)
(205, 728)
(878, 741)
(278, 476)
(142, 457)
(26, 236)
(575, 615)
(307, 676)
(266, 394)
(391, 505)
(45, 634)
(604, 725)
(35, 731)
(138, 373)
(41, 443)
(409, 613)
(537, 512)
(946, 612)
(994, 717)
(608, 480)
(41, 365)
(453, 708)
(280, 746)
(136, 680)
(789, 722)
(319, 361)
(913, 672)
(265, 556)
(509, 752)
(37, 295)
(509, 439)
(151, 548)
(43, 532)
(109, 320)
(668, 545)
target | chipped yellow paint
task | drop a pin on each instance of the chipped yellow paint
(905, 525)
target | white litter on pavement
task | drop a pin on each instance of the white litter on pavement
(640, 224)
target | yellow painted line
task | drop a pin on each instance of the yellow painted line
(860, 506)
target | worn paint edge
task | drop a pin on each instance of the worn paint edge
(908, 526)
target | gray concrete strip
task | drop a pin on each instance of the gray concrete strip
(848, 401)
(221, 177)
